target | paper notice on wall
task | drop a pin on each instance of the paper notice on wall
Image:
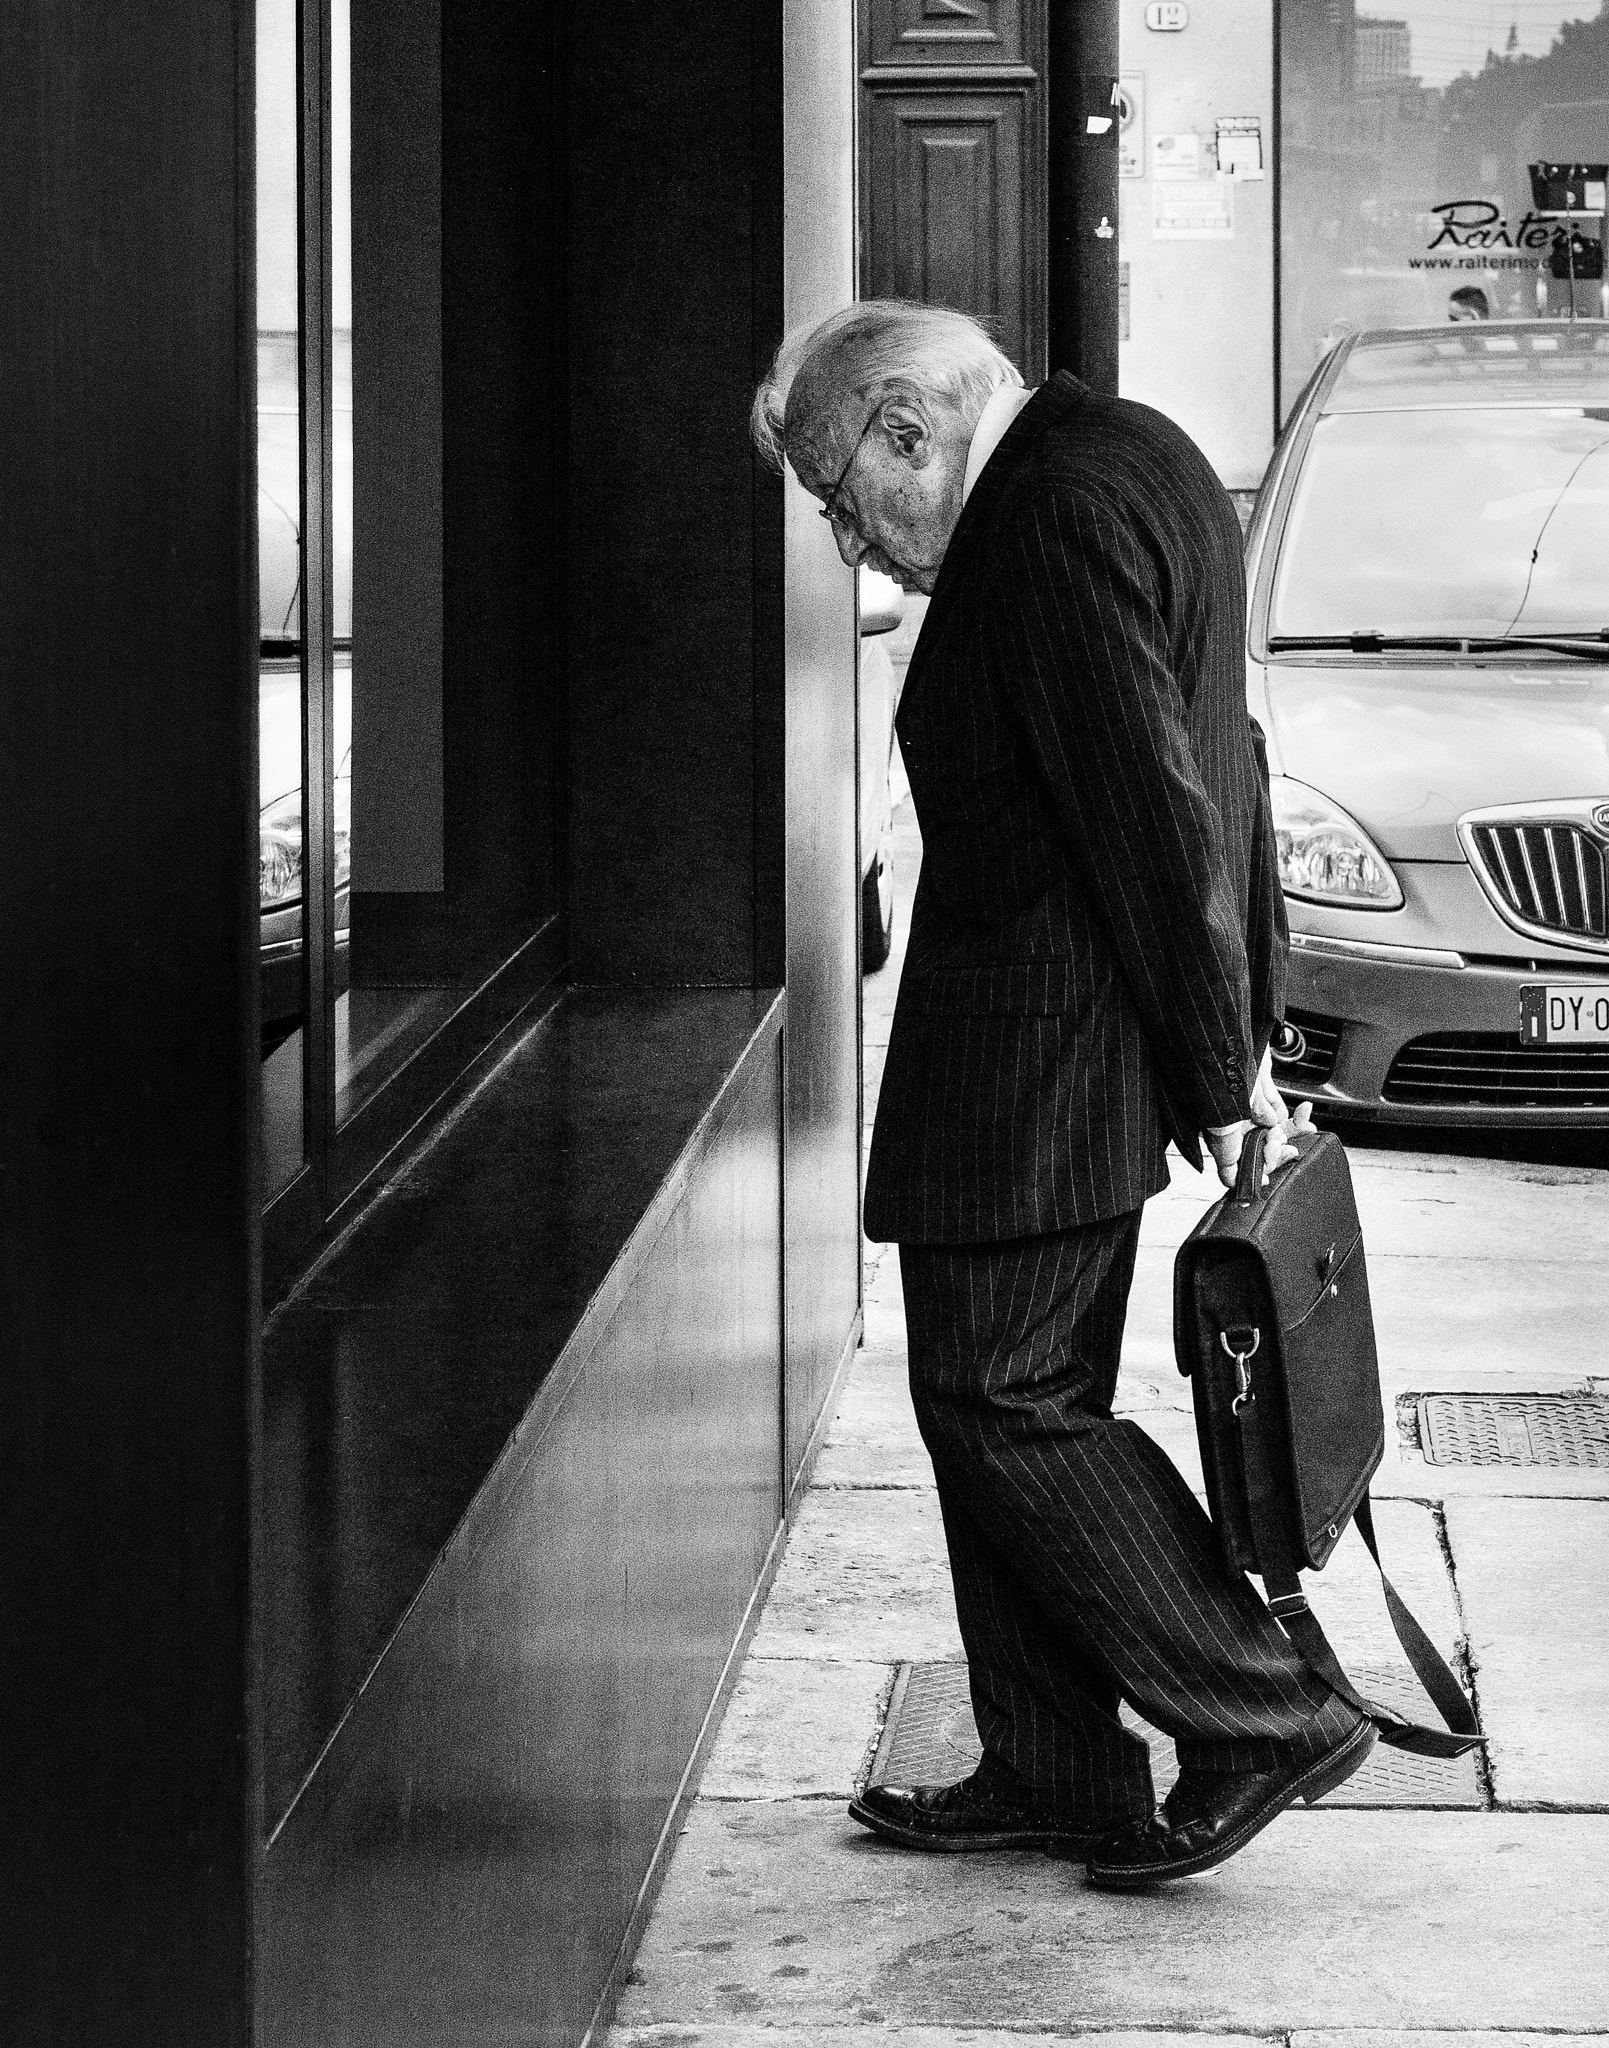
(1176, 156)
(1131, 125)
(1240, 146)
(1202, 210)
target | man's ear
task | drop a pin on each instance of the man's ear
(910, 431)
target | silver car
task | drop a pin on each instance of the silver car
(1428, 653)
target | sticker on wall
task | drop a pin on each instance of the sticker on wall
(1167, 17)
(1201, 210)
(1240, 146)
(1131, 125)
(1176, 156)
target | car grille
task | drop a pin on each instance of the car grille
(1553, 877)
(1316, 1061)
(1493, 1071)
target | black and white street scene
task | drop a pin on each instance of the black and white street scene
(804, 1131)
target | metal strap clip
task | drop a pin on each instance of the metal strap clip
(1243, 1350)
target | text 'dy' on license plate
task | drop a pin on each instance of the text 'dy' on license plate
(1565, 1014)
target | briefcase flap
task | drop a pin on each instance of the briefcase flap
(1304, 1227)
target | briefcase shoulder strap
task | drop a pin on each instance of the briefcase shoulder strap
(1288, 1604)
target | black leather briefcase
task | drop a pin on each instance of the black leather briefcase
(1273, 1328)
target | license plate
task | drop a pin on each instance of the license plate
(1572, 1015)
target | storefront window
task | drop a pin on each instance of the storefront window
(1407, 141)
(407, 912)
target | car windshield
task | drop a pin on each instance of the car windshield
(1463, 521)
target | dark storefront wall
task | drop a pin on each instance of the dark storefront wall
(128, 1191)
(530, 1423)
(1405, 146)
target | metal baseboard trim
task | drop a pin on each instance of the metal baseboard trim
(659, 1866)
(818, 1434)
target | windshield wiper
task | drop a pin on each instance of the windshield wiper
(1589, 646)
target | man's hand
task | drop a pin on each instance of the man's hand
(1268, 1109)
(1268, 1106)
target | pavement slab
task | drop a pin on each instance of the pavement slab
(914, 2037)
(1487, 1266)
(1450, 1324)
(720, 2036)
(1328, 1921)
(1532, 1576)
(1351, 1608)
(865, 1579)
(1442, 1205)
(1397, 2037)
(796, 1730)
(874, 1440)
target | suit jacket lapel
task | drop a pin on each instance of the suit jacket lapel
(1050, 403)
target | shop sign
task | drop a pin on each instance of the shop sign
(1475, 234)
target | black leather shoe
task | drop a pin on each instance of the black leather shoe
(1210, 1814)
(956, 1818)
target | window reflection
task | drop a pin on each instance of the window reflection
(384, 997)
(279, 573)
(1406, 196)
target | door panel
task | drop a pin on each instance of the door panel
(949, 207)
(947, 31)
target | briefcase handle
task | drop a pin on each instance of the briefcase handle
(1249, 1180)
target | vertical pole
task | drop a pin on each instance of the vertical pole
(1274, 158)
(1081, 93)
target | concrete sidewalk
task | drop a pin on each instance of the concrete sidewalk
(783, 1924)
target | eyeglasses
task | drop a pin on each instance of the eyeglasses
(830, 501)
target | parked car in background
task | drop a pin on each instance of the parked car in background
(881, 605)
(1428, 652)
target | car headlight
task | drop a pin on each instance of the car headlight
(279, 853)
(1325, 856)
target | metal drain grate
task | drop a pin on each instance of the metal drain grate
(1560, 1430)
(930, 1738)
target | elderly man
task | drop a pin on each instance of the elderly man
(1096, 965)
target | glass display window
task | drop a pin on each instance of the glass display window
(409, 848)
(1407, 141)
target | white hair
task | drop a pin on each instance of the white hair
(875, 349)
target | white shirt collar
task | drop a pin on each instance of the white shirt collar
(1004, 404)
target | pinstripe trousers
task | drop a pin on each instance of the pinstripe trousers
(1085, 1570)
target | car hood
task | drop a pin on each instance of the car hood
(1408, 750)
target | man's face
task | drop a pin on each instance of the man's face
(894, 495)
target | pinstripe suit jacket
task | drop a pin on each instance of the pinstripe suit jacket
(1097, 948)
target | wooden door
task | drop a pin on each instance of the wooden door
(952, 204)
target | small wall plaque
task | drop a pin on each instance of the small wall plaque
(1167, 17)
